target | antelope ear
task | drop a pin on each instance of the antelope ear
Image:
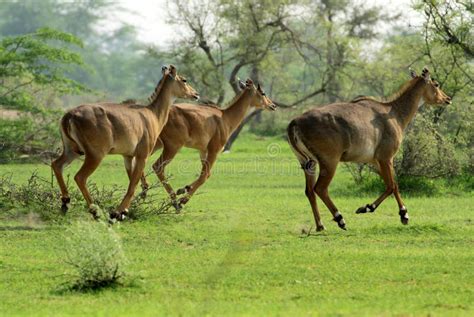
(173, 71)
(241, 84)
(425, 73)
(412, 73)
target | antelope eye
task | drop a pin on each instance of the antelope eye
(184, 80)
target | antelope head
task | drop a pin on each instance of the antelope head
(259, 98)
(178, 84)
(432, 93)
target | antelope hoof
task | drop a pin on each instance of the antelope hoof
(183, 201)
(320, 228)
(340, 221)
(65, 202)
(119, 215)
(365, 209)
(94, 210)
(176, 206)
(183, 190)
(404, 216)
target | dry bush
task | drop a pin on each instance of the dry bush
(93, 252)
(41, 196)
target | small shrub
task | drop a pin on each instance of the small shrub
(426, 153)
(371, 184)
(36, 195)
(41, 196)
(93, 252)
(418, 185)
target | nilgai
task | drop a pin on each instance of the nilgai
(95, 130)
(365, 131)
(206, 129)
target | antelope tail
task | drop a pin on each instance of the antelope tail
(68, 140)
(297, 145)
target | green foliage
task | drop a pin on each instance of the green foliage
(270, 124)
(93, 252)
(34, 62)
(426, 153)
(30, 137)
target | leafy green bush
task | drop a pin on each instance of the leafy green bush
(29, 138)
(426, 153)
(94, 254)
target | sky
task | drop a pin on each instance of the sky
(150, 17)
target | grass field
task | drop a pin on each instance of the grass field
(238, 249)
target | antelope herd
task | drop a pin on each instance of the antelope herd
(364, 130)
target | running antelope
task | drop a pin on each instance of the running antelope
(206, 129)
(95, 130)
(364, 130)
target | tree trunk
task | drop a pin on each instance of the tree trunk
(236, 133)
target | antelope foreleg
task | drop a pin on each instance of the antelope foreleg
(137, 172)
(205, 174)
(391, 187)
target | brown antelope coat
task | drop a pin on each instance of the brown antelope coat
(365, 131)
(206, 129)
(95, 130)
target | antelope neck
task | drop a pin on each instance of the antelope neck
(235, 113)
(163, 101)
(406, 105)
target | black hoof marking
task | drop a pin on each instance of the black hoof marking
(65, 201)
(94, 214)
(176, 205)
(182, 201)
(119, 215)
(340, 222)
(404, 216)
(123, 215)
(320, 228)
(367, 208)
(183, 190)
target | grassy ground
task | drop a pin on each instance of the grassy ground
(238, 249)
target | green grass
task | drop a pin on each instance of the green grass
(238, 248)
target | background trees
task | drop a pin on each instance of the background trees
(304, 53)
